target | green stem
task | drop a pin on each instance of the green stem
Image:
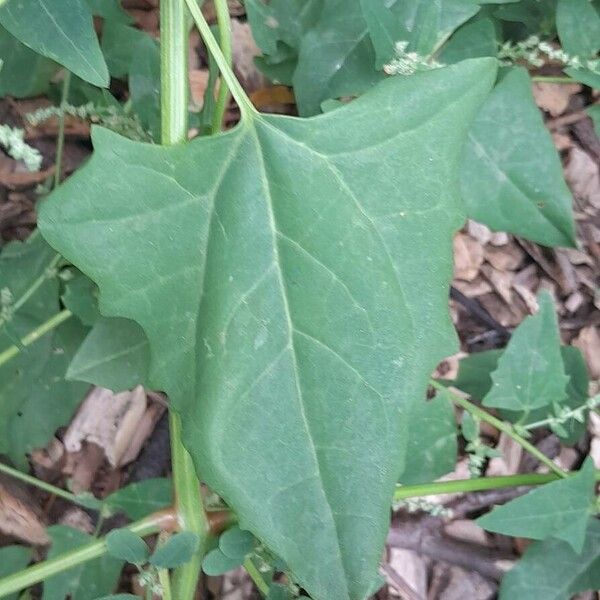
(224, 22)
(47, 274)
(165, 583)
(174, 128)
(35, 335)
(500, 426)
(190, 511)
(257, 578)
(236, 89)
(43, 570)
(545, 79)
(436, 488)
(173, 72)
(47, 487)
(60, 145)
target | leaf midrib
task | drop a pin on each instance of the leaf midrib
(291, 328)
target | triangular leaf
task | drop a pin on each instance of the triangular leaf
(138, 500)
(114, 355)
(560, 509)
(578, 25)
(292, 312)
(62, 31)
(512, 176)
(553, 571)
(530, 371)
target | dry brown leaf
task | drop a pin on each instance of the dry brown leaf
(583, 177)
(479, 231)
(19, 518)
(500, 280)
(198, 83)
(468, 257)
(508, 257)
(108, 420)
(554, 98)
(454, 583)
(588, 341)
(594, 429)
(412, 568)
(473, 289)
(508, 463)
(528, 296)
(244, 51)
(467, 531)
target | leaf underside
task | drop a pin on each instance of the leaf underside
(291, 276)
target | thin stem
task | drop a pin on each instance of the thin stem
(35, 335)
(190, 511)
(506, 428)
(435, 488)
(224, 22)
(60, 145)
(43, 570)
(165, 583)
(46, 487)
(236, 89)
(257, 578)
(47, 274)
(547, 79)
(173, 72)
(174, 127)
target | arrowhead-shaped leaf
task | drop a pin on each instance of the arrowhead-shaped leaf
(62, 31)
(560, 509)
(553, 571)
(291, 276)
(512, 177)
(530, 372)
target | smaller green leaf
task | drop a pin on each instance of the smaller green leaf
(216, 563)
(578, 26)
(119, 44)
(432, 444)
(138, 500)
(473, 39)
(280, 592)
(86, 581)
(62, 31)
(560, 509)
(128, 546)
(530, 372)
(114, 355)
(12, 560)
(120, 597)
(553, 571)
(109, 10)
(24, 72)
(475, 373)
(81, 298)
(512, 177)
(469, 427)
(176, 551)
(236, 543)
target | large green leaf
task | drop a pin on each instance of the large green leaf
(474, 39)
(86, 581)
(62, 31)
(34, 397)
(578, 25)
(553, 571)
(530, 372)
(290, 323)
(560, 509)
(512, 177)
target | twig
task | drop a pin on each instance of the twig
(400, 584)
